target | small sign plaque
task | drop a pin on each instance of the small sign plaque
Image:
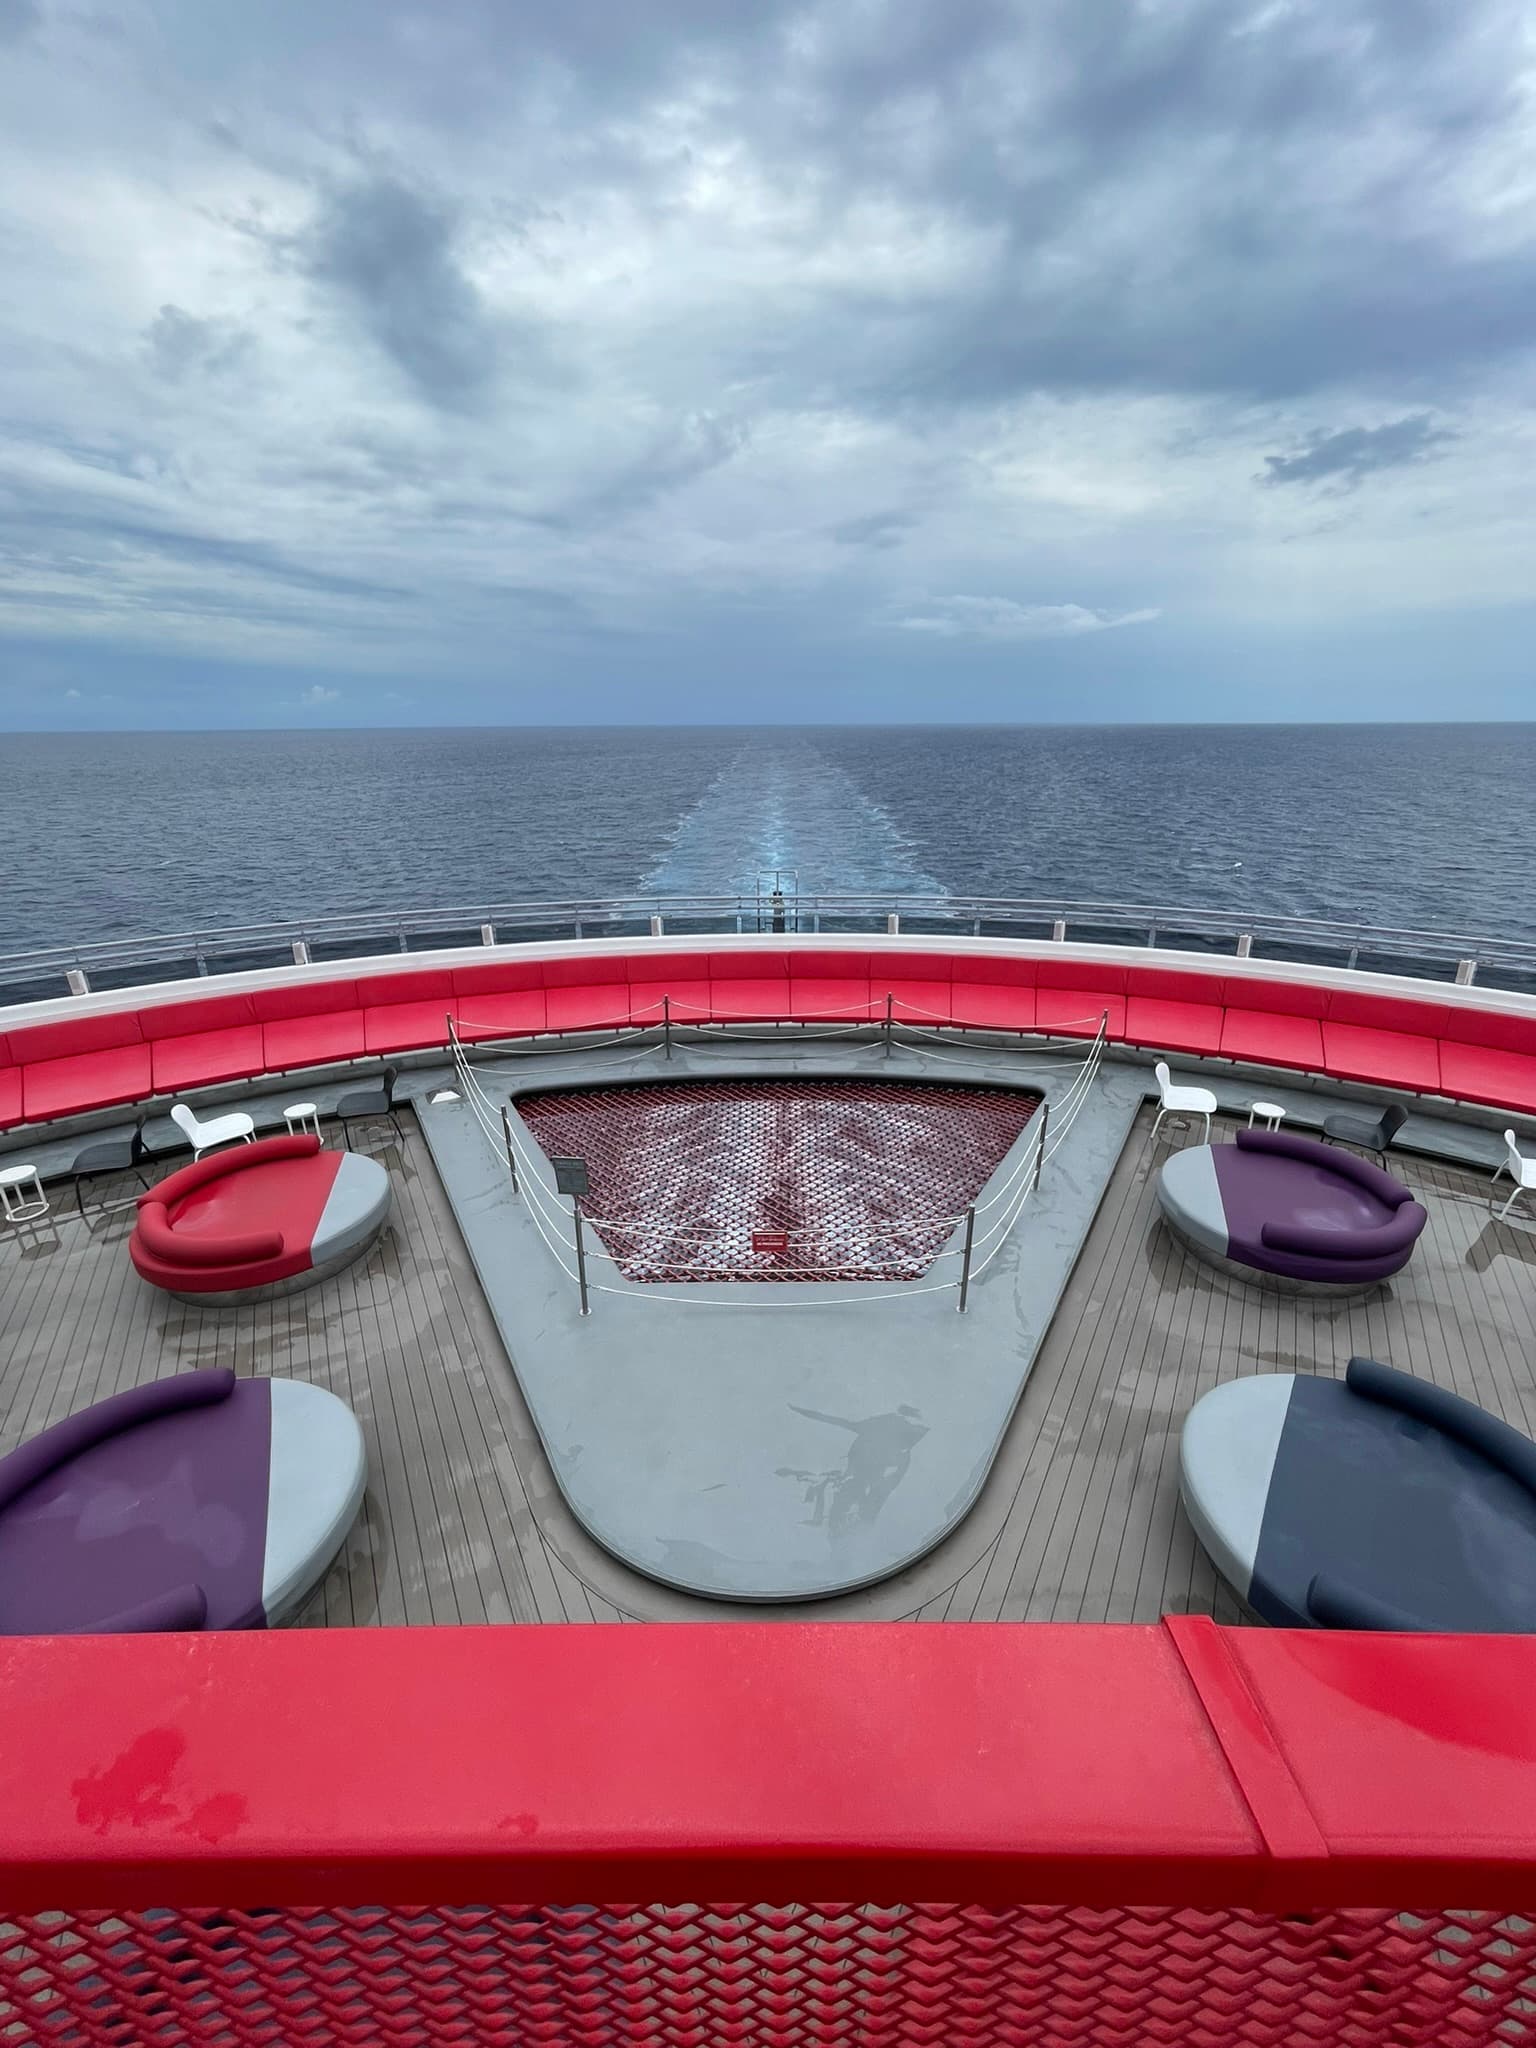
(770, 1240)
(571, 1176)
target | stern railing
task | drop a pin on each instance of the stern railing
(212, 949)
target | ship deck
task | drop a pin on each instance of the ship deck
(1078, 1520)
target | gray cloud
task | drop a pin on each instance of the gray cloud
(181, 345)
(388, 254)
(1349, 455)
(18, 18)
(674, 455)
(584, 324)
(1001, 618)
(875, 530)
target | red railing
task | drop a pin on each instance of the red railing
(1156, 1835)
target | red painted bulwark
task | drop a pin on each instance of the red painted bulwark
(1364, 1036)
(1184, 1763)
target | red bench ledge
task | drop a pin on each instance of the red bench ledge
(103, 1060)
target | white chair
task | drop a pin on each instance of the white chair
(218, 1130)
(1522, 1172)
(1182, 1101)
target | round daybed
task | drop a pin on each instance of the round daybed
(1377, 1501)
(258, 1219)
(197, 1502)
(1304, 1214)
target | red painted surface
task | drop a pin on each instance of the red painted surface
(244, 1217)
(99, 1061)
(1164, 1835)
(1180, 1763)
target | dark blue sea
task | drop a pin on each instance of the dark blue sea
(119, 834)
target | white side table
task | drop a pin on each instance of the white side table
(301, 1117)
(1271, 1112)
(21, 1193)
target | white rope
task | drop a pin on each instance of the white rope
(803, 1301)
(1013, 1194)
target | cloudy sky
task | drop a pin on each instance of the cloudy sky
(364, 361)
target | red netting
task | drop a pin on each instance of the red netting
(780, 1976)
(867, 1179)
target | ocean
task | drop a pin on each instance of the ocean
(114, 835)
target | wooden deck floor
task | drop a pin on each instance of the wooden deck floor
(1079, 1519)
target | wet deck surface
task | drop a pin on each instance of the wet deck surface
(1079, 1519)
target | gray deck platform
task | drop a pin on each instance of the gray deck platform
(1078, 1520)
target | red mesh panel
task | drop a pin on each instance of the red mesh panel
(712, 1976)
(867, 1178)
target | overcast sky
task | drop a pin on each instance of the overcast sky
(483, 360)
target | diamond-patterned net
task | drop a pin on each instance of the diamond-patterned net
(866, 1179)
(781, 1976)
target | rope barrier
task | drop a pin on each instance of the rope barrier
(551, 1220)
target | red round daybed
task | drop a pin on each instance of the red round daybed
(258, 1219)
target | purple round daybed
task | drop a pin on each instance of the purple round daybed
(197, 1502)
(1291, 1210)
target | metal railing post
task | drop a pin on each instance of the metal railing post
(666, 1024)
(581, 1254)
(965, 1258)
(1045, 1125)
(506, 1133)
(890, 1006)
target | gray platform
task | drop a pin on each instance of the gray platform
(792, 1441)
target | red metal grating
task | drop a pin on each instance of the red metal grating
(867, 1179)
(795, 1976)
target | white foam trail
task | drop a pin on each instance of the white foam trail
(778, 806)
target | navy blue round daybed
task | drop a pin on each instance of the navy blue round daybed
(1378, 1501)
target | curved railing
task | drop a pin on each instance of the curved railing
(1464, 957)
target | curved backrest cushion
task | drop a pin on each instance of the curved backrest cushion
(1503, 1446)
(180, 1609)
(283, 1000)
(176, 1500)
(497, 977)
(76, 1433)
(203, 1248)
(419, 985)
(1291, 1145)
(1376, 1011)
(1334, 1603)
(1308, 1241)
(1501, 1029)
(99, 1032)
(208, 1013)
(1174, 985)
(188, 1179)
